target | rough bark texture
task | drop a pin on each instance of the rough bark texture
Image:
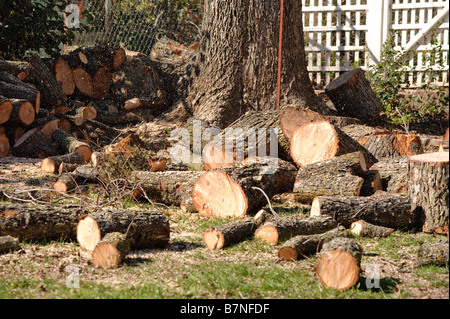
(231, 191)
(236, 65)
(8, 244)
(338, 263)
(144, 229)
(303, 245)
(435, 253)
(33, 223)
(428, 178)
(383, 209)
(34, 144)
(279, 229)
(352, 96)
(392, 145)
(394, 174)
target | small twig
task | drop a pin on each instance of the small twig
(405, 126)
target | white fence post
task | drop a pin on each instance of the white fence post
(378, 22)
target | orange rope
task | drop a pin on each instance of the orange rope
(280, 49)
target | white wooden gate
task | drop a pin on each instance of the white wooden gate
(343, 34)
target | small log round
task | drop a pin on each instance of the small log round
(111, 251)
(365, 229)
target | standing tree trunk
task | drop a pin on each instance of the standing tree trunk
(236, 65)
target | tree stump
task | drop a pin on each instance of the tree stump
(353, 96)
(111, 251)
(279, 229)
(303, 245)
(144, 229)
(338, 263)
(428, 178)
(383, 209)
(318, 141)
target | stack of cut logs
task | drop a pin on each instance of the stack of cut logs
(354, 176)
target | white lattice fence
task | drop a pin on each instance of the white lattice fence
(343, 34)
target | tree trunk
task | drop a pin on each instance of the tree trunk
(236, 190)
(338, 265)
(428, 189)
(318, 141)
(352, 96)
(304, 245)
(43, 222)
(383, 209)
(144, 229)
(237, 61)
(233, 232)
(111, 251)
(279, 229)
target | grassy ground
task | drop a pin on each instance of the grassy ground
(187, 269)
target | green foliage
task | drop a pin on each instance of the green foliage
(29, 26)
(390, 80)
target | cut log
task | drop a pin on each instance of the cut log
(64, 75)
(52, 164)
(143, 229)
(365, 229)
(8, 244)
(23, 113)
(338, 264)
(280, 229)
(109, 57)
(392, 145)
(111, 251)
(291, 118)
(34, 144)
(428, 189)
(67, 182)
(236, 190)
(435, 253)
(233, 232)
(382, 209)
(5, 145)
(11, 87)
(39, 222)
(83, 81)
(393, 174)
(344, 171)
(52, 94)
(19, 69)
(353, 96)
(69, 144)
(49, 127)
(6, 108)
(318, 141)
(102, 82)
(303, 245)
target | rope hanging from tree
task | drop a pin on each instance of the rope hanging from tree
(280, 50)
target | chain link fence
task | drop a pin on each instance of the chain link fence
(135, 25)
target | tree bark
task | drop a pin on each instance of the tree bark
(236, 64)
(280, 229)
(43, 222)
(8, 244)
(144, 229)
(383, 209)
(394, 174)
(303, 245)
(435, 253)
(34, 144)
(428, 189)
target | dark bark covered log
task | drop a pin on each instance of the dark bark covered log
(51, 164)
(43, 222)
(111, 58)
(435, 253)
(34, 144)
(372, 183)
(143, 229)
(236, 190)
(280, 229)
(8, 244)
(69, 144)
(353, 96)
(233, 232)
(365, 229)
(337, 176)
(19, 69)
(220, 94)
(111, 251)
(393, 173)
(5, 145)
(383, 209)
(52, 94)
(428, 178)
(303, 245)
(318, 141)
(13, 88)
(6, 109)
(66, 182)
(338, 263)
